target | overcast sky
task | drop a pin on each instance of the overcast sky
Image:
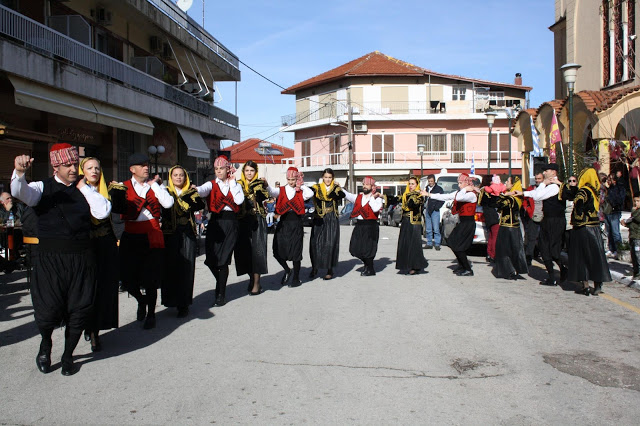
(292, 40)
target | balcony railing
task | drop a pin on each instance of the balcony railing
(383, 108)
(411, 159)
(44, 40)
(184, 21)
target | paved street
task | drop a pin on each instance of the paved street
(434, 349)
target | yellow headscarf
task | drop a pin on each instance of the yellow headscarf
(243, 180)
(589, 179)
(102, 185)
(172, 189)
(406, 193)
(517, 186)
(323, 188)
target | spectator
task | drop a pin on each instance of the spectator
(633, 223)
(614, 201)
(10, 205)
(432, 214)
(271, 209)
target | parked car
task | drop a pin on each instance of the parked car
(449, 183)
(345, 214)
(309, 209)
(396, 217)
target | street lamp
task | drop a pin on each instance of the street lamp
(570, 71)
(421, 147)
(491, 117)
(155, 150)
(511, 114)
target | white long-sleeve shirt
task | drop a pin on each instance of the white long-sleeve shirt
(374, 203)
(462, 195)
(225, 186)
(543, 192)
(291, 191)
(30, 194)
(164, 198)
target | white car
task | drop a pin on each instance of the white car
(449, 183)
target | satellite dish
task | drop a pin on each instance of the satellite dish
(184, 4)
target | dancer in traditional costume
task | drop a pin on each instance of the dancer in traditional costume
(587, 260)
(409, 256)
(510, 260)
(324, 245)
(63, 285)
(105, 247)
(179, 229)
(464, 204)
(288, 239)
(225, 199)
(365, 235)
(140, 201)
(251, 248)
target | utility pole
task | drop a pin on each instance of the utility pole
(352, 178)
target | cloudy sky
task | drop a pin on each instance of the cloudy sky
(289, 41)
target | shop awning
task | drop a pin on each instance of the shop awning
(45, 98)
(123, 119)
(196, 146)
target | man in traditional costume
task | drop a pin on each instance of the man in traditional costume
(63, 285)
(364, 239)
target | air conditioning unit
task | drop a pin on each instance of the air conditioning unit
(360, 127)
(167, 54)
(101, 15)
(155, 44)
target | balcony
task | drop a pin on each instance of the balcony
(48, 42)
(405, 160)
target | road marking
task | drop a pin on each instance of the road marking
(620, 302)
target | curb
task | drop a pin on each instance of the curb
(626, 280)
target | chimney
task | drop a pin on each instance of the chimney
(518, 80)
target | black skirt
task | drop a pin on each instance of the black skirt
(510, 256)
(324, 245)
(409, 254)
(222, 234)
(364, 239)
(550, 238)
(180, 253)
(63, 288)
(587, 260)
(462, 235)
(288, 239)
(105, 306)
(140, 266)
(251, 248)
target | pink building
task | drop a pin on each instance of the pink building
(397, 108)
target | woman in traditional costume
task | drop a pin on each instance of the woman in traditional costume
(251, 248)
(510, 260)
(409, 256)
(324, 245)
(587, 260)
(179, 229)
(105, 246)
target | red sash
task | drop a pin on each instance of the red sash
(218, 201)
(284, 204)
(135, 203)
(365, 211)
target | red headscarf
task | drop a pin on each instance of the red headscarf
(466, 181)
(293, 172)
(370, 181)
(63, 153)
(222, 161)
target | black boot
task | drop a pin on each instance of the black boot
(295, 282)
(221, 286)
(563, 272)
(71, 339)
(287, 270)
(43, 360)
(551, 281)
(150, 321)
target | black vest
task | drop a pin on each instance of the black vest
(554, 206)
(63, 212)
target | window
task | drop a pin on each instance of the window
(306, 153)
(457, 148)
(334, 150)
(382, 147)
(433, 143)
(459, 93)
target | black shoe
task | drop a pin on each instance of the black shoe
(458, 270)
(313, 273)
(220, 301)
(513, 277)
(251, 293)
(96, 346)
(437, 247)
(183, 312)
(563, 274)
(87, 336)
(584, 291)
(597, 290)
(69, 369)
(43, 361)
(285, 278)
(327, 277)
(549, 282)
(369, 273)
(489, 259)
(149, 322)
(295, 282)
(465, 273)
(428, 247)
(142, 312)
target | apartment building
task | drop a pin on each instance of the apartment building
(112, 77)
(396, 108)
